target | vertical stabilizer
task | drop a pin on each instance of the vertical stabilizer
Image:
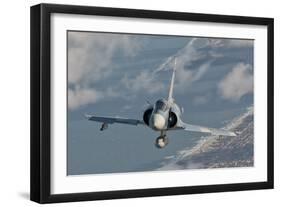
(170, 97)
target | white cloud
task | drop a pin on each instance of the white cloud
(200, 100)
(237, 83)
(184, 77)
(90, 59)
(90, 54)
(78, 97)
(240, 43)
(185, 57)
(143, 81)
(230, 43)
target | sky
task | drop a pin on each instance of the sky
(111, 74)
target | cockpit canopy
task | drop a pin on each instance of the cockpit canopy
(161, 104)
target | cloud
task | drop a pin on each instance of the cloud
(90, 54)
(126, 108)
(78, 97)
(230, 43)
(240, 43)
(237, 83)
(186, 77)
(191, 52)
(143, 81)
(90, 60)
(185, 57)
(200, 100)
(148, 80)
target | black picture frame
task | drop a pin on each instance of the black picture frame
(40, 184)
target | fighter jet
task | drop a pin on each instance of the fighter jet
(163, 116)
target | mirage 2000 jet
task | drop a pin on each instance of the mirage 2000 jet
(163, 116)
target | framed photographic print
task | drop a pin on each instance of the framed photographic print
(132, 103)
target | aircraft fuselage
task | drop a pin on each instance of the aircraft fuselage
(163, 115)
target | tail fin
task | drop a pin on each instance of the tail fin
(170, 96)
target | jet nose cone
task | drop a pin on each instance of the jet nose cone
(158, 121)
